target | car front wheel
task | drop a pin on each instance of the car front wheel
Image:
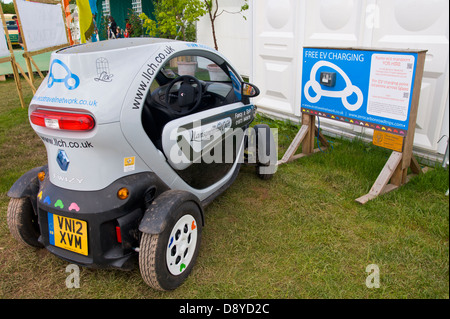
(167, 259)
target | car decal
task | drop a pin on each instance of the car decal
(71, 81)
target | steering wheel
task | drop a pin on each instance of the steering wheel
(188, 98)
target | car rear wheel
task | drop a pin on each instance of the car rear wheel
(167, 259)
(266, 152)
(23, 222)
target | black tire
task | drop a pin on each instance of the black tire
(156, 269)
(266, 154)
(264, 177)
(23, 222)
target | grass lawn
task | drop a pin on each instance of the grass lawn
(299, 235)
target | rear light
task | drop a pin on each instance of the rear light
(62, 120)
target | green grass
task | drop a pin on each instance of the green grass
(299, 235)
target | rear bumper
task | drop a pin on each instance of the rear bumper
(103, 212)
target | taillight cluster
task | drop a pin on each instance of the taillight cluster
(62, 120)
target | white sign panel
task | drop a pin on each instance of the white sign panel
(3, 44)
(42, 24)
(390, 85)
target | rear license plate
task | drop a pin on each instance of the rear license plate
(68, 233)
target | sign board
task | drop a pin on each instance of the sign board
(42, 24)
(387, 140)
(372, 89)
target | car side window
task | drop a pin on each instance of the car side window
(172, 96)
(197, 66)
(219, 82)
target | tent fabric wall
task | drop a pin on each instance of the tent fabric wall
(148, 7)
(98, 20)
(119, 11)
(282, 28)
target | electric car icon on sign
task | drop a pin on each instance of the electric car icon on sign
(349, 90)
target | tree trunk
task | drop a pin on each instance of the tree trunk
(212, 18)
(214, 35)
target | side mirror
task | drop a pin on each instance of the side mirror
(249, 90)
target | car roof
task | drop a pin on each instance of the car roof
(116, 44)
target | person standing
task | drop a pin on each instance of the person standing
(112, 28)
(19, 40)
(119, 33)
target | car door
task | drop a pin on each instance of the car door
(203, 147)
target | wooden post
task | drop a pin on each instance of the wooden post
(304, 137)
(12, 59)
(308, 142)
(66, 23)
(24, 42)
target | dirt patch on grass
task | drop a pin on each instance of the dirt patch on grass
(262, 193)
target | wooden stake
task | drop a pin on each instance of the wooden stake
(304, 137)
(389, 169)
(294, 145)
(12, 59)
(24, 42)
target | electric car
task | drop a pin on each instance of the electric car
(140, 138)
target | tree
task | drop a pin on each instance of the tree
(175, 19)
(8, 8)
(135, 22)
(212, 7)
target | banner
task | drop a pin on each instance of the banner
(86, 21)
(42, 24)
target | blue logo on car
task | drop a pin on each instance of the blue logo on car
(63, 160)
(71, 80)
